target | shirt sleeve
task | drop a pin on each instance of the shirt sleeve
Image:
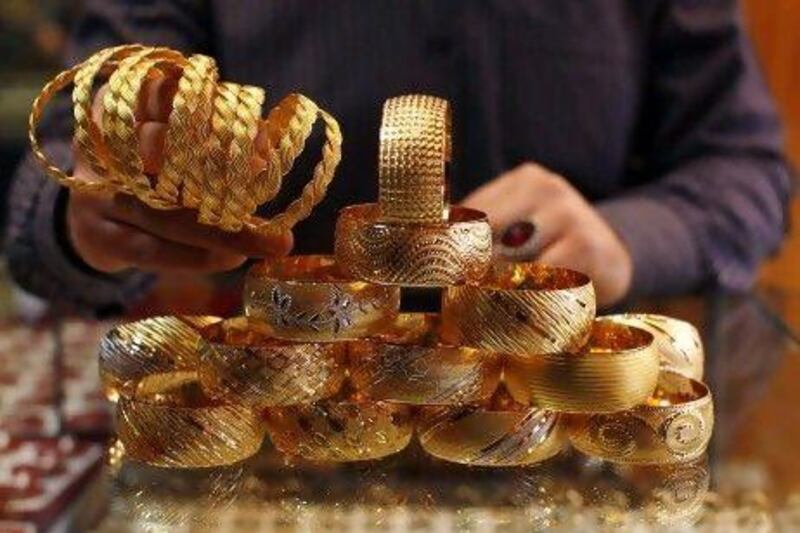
(714, 185)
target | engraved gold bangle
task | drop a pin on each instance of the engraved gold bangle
(409, 364)
(525, 309)
(307, 298)
(674, 425)
(241, 363)
(338, 431)
(616, 370)
(415, 146)
(394, 253)
(678, 343)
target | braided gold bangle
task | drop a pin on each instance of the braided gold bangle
(307, 298)
(415, 145)
(239, 362)
(616, 370)
(674, 425)
(523, 309)
(413, 254)
(410, 365)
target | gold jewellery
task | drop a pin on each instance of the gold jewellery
(307, 298)
(209, 145)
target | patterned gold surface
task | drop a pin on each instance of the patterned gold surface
(617, 370)
(394, 253)
(525, 309)
(307, 298)
(673, 426)
(414, 149)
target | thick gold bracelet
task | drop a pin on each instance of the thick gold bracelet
(674, 425)
(396, 253)
(409, 364)
(415, 146)
(307, 298)
(525, 309)
(678, 343)
(240, 362)
(616, 370)
(337, 431)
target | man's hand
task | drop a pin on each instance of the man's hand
(570, 232)
(116, 233)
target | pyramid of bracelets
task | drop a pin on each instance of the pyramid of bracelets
(514, 369)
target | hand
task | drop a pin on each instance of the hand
(116, 233)
(570, 232)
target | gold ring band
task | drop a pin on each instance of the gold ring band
(392, 253)
(525, 309)
(674, 425)
(306, 298)
(616, 370)
(409, 365)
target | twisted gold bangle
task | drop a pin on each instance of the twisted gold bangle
(674, 425)
(617, 370)
(525, 309)
(307, 298)
(413, 254)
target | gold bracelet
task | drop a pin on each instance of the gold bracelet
(674, 425)
(525, 309)
(307, 298)
(616, 370)
(415, 146)
(429, 255)
(408, 364)
(337, 431)
(678, 343)
(240, 362)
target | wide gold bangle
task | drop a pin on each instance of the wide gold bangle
(525, 309)
(677, 342)
(415, 145)
(307, 298)
(409, 364)
(397, 253)
(674, 425)
(239, 362)
(337, 431)
(616, 370)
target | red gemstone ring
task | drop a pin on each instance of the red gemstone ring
(519, 241)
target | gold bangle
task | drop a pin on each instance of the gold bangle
(409, 364)
(616, 370)
(307, 298)
(430, 255)
(338, 431)
(239, 362)
(415, 145)
(677, 342)
(525, 309)
(674, 425)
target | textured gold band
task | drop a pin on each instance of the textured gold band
(673, 426)
(523, 309)
(393, 253)
(414, 149)
(240, 363)
(307, 298)
(408, 364)
(617, 370)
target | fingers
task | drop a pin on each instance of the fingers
(151, 146)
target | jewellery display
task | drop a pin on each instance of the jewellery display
(307, 298)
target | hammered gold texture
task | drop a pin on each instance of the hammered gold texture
(414, 149)
(674, 426)
(307, 298)
(525, 309)
(482, 437)
(617, 370)
(393, 253)
(335, 431)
